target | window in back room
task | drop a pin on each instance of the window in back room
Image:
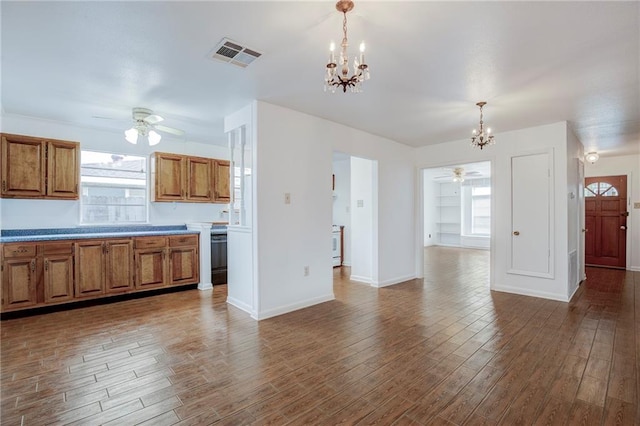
(113, 188)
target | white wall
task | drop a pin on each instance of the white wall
(551, 137)
(294, 155)
(624, 165)
(363, 219)
(430, 211)
(342, 203)
(30, 214)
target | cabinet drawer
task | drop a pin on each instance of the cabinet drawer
(183, 240)
(19, 250)
(150, 242)
(57, 248)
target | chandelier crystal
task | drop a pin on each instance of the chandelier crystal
(335, 78)
(481, 138)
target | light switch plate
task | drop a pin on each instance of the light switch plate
(636, 205)
(287, 198)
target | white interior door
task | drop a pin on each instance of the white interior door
(531, 195)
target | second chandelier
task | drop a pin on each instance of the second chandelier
(340, 78)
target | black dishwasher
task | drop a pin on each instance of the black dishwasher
(218, 255)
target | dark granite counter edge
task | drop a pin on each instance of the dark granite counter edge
(81, 236)
(91, 230)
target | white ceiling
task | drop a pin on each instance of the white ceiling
(533, 62)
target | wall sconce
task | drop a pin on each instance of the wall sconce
(592, 157)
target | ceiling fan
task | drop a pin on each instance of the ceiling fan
(145, 123)
(457, 174)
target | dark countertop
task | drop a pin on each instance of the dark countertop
(29, 235)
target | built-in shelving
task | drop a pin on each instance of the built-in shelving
(448, 222)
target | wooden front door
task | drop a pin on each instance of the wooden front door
(605, 199)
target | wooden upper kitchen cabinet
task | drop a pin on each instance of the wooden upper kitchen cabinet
(199, 179)
(18, 276)
(63, 167)
(39, 168)
(190, 179)
(169, 177)
(222, 188)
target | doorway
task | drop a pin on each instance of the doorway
(606, 214)
(355, 190)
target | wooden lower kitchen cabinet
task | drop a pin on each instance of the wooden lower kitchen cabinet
(19, 277)
(163, 261)
(150, 254)
(184, 262)
(103, 266)
(36, 274)
(58, 271)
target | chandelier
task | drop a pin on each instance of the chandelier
(340, 78)
(481, 138)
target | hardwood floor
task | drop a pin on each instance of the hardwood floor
(440, 351)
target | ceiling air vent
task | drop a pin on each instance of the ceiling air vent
(233, 53)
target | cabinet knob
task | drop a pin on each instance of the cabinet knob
(516, 233)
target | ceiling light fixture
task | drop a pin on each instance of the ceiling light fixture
(592, 157)
(142, 129)
(480, 138)
(335, 79)
(458, 175)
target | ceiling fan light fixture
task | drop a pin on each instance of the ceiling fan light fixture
(131, 135)
(154, 138)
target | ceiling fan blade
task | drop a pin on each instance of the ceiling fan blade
(171, 130)
(153, 119)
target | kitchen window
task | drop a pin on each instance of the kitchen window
(113, 188)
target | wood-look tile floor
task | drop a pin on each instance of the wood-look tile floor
(440, 351)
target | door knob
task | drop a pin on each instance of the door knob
(516, 233)
(585, 230)
(624, 228)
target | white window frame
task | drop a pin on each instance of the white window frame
(97, 182)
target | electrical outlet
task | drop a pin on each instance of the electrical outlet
(287, 198)
(636, 205)
(360, 203)
(306, 271)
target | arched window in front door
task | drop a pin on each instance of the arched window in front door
(602, 189)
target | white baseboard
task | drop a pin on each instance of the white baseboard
(240, 305)
(393, 281)
(205, 286)
(293, 307)
(365, 280)
(633, 268)
(527, 292)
